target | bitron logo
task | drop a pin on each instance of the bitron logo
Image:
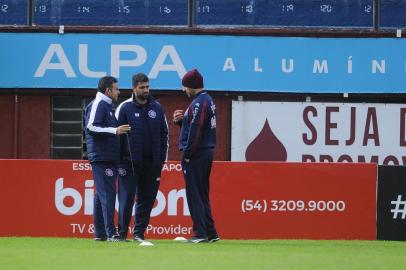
(69, 201)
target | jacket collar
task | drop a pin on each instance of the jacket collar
(200, 93)
(103, 97)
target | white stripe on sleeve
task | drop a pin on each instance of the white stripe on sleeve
(96, 129)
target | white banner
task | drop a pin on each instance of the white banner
(318, 132)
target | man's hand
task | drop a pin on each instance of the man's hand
(187, 160)
(123, 129)
(177, 116)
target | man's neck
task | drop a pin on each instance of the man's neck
(197, 91)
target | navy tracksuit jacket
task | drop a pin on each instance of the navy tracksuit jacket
(144, 151)
(197, 140)
(103, 154)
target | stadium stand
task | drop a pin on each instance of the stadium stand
(94, 12)
(13, 12)
(208, 13)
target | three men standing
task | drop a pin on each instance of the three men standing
(144, 150)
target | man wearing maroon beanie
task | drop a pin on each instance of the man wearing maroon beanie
(196, 141)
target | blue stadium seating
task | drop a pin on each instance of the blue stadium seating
(308, 13)
(393, 14)
(208, 13)
(117, 12)
(14, 12)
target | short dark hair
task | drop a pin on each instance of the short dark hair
(106, 82)
(139, 77)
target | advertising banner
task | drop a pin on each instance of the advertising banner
(318, 132)
(391, 203)
(55, 198)
(249, 200)
(230, 63)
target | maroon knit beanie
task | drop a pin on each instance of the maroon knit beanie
(193, 79)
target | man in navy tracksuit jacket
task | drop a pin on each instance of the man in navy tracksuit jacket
(144, 151)
(103, 153)
(197, 141)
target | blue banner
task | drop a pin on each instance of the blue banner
(229, 63)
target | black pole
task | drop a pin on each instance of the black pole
(377, 14)
(191, 13)
(30, 11)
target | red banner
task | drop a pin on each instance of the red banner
(249, 200)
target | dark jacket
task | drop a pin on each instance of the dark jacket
(198, 130)
(130, 112)
(101, 125)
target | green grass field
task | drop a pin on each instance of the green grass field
(73, 254)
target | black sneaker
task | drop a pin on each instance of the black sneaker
(213, 238)
(116, 238)
(138, 239)
(100, 239)
(196, 240)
